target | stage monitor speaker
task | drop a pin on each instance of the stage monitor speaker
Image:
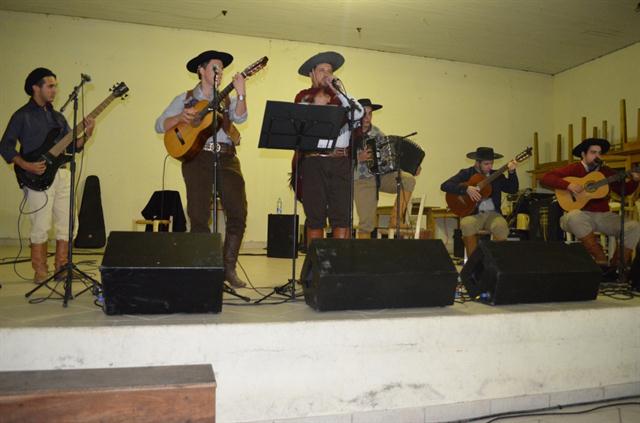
(91, 232)
(341, 274)
(280, 236)
(162, 272)
(531, 272)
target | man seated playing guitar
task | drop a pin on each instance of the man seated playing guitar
(595, 215)
(486, 214)
(30, 126)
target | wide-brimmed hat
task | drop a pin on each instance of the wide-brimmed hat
(331, 57)
(366, 102)
(584, 146)
(484, 153)
(34, 77)
(205, 56)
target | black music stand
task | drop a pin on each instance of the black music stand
(298, 127)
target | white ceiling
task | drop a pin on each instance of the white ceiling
(546, 36)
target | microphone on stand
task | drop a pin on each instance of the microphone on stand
(83, 78)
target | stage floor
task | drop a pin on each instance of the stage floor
(440, 363)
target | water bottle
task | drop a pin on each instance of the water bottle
(279, 206)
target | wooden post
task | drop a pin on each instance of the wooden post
(605, 130)
(638, 124)
(623, 121)
(595, 132)
(570, 148)
(536, 151)
(559, 148)
(584, 129)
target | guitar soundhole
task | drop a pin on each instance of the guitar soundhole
(179, 135)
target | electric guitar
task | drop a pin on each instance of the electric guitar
(595, 184)
(185, 140)
(462, 205)
(52, 149)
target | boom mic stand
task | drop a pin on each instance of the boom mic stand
(216, 164)
(68, 269)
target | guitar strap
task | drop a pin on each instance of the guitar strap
(223, 121)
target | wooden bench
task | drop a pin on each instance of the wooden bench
(140, 394)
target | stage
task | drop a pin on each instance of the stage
(287, 362)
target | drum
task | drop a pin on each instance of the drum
(392, 152)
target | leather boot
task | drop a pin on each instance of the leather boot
(470, 244)
(39, 262)
(230, 257)
(62, 250)
(628, 254)
(594, 248)
(363, 235)
(314, 234)
(340, 233)
(405, 198)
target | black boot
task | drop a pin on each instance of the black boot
(230, 257)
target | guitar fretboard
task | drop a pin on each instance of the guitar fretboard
(61, 145)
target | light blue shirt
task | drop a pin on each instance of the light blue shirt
(178, 105)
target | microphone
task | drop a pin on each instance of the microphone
(85, 77)
(336, 83)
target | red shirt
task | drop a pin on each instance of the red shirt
(555, 180)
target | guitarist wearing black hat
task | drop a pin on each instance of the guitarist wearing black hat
(595, 215)
(198, 170)
(486, 212)
(30, 126)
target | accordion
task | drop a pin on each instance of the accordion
(390, 153)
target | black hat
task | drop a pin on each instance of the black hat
(366, 102)
(331, 57)
(484, 153)
(205, 56)
(584, 146)
(34, 77)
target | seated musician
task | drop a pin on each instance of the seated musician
(367, 185)
(326, 175)
(486, 215)
(595, 215)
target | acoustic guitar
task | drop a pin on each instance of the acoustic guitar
(185, 140)
(595, 184)
(51, 152)
(462, 205)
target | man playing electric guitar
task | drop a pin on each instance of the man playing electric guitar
(198, 172)
(486, 214)
(30, 126)
(595, 215)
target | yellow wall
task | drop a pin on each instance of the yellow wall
(594, 90)
(455, 107)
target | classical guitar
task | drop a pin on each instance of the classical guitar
(462, 205)
(595, 184)
(52, 149)
(185, 140)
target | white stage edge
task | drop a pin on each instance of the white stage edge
(417, 365)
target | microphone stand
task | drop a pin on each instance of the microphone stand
(69, 268)
(622, 277)
(353, 106)
(216, 155)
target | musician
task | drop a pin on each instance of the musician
(198, 172)
(327, 175)
(29, 126)
(367, 185)
(487, 214)
(595, 215)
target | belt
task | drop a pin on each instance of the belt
(223, 148)
(336, 152)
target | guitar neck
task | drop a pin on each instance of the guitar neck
(614, 178)
(495, 175)
(61, 145)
